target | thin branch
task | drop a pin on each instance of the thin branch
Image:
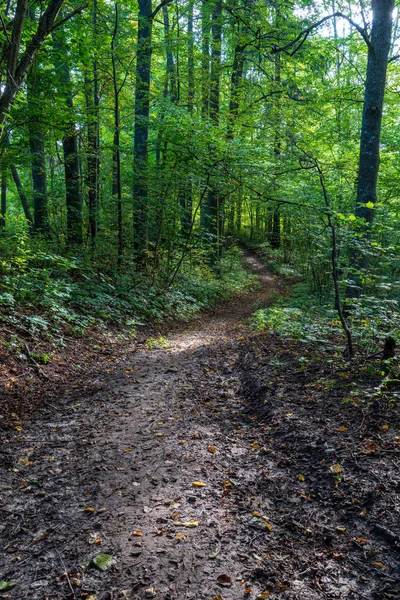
(68, 17)
(303, 35)
(159, 7)
(393, 58)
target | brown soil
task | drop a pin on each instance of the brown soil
(301, 494)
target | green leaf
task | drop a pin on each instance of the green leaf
(6, 585)
(369, 205)
(213, 554)
(104, 561)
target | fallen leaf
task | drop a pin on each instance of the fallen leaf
(7, 585)
(104, 561)
(341, 529)
(263, 595)
(385, 427)
(369, 447)
(227, 483)
(300, 477)
(213, 554)
(379, 564)
(248, 590)
(94, 538)
(137, 533)
(128, 449)
(217, 598)
(363, 512)
(361, 540)
(25, 462)
(224, 580)
(189, 524)
(288, 415)
(160, 434)
(89, 509)
(335, 468)
(180, 536)
(341, 428)
(199, 484)
(268, 525)
(212, 449)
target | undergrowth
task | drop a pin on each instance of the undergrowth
(44, 293)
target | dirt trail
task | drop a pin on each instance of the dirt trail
(111, 470)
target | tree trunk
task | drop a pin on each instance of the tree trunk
(23, 198)
(205, 57)
(185, 188)
(18, 64)
(378, 52)
(73, 195)
(211, 209)
(116, 183)
(141, 128)
(3, 209)
(93, 162)
(37, 147)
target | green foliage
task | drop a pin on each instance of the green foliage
(44, 292)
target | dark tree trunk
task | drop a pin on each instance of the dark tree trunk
(73, 195)
(276, 219)
(3, 209)
(37, 146)
(116, 183)
(236, 78)
(205, 56)
(19, 63)
(185, 189)
(211, 209)
(378, 52)
(23, 198)
(93, 160)
(141, 128)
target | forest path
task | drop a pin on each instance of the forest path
(119, 469)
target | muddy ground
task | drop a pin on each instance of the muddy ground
(214, 463)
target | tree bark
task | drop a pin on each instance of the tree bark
(211, 209)
(378, 52)
(3, 209)
(23, 198)
(93, 159)
(141, 128)
(116, 183)
(73, 195)
(17, 68)
(38, 158)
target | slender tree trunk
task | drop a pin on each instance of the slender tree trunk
(23, 198)
(276, 219)
(205, 57)
(38, 158)
(116, 183)
(141, 128)
(185, 188)
(73, 195)
(19, 63)
(93, 159)
(378, 52)
(211, 220)
(236, 78)
(3, 209)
